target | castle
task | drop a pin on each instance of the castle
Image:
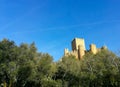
(79, 49)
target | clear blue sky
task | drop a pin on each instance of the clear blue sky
(52, 24)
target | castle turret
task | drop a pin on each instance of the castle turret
(93, 48)
(66, 52)
(76, 42)
(81, 51)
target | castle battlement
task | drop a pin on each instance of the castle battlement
(79, 49)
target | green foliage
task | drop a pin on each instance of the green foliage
(23, 66)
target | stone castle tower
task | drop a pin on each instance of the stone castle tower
(79, 49)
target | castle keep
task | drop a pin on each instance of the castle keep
(79, 49)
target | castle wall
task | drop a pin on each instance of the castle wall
(74, 53)
(78, 48)
(93, 48)
(81, 52)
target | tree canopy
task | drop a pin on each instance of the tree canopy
(23, 66)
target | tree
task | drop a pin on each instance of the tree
(23, 66)
(8, 68)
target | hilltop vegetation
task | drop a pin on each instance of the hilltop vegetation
(23, 66)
